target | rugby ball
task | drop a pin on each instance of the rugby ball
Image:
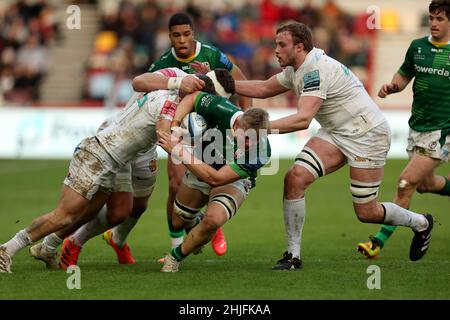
(195, 124)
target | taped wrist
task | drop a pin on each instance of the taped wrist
(174, 83)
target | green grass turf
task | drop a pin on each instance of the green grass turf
(332, 267)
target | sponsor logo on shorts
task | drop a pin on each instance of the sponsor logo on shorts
(360, 159)
(153, 165)
(433, 145)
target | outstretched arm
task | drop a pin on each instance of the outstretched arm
(260, 88)
(150, 81)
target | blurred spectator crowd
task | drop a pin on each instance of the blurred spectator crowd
(27, 29)
(134, 33)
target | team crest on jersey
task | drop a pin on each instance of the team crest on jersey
(433, 145)
(418, 55)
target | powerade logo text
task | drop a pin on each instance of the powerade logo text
(440, 72)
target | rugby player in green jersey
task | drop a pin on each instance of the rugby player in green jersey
(221, 182)
(191, 56)
(428, 62)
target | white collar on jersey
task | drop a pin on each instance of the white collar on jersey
(197, 51)
(315, 54)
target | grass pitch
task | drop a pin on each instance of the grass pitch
(332, 267)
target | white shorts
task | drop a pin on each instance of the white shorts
(366, 151)
(91, 169)
(433, 144)
(191, 181)
(138, 176)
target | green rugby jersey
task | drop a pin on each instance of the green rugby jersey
(209, 55)
(220, 115)
(429, 64)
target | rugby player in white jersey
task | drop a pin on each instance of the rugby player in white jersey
(354, 132)
(95, 164)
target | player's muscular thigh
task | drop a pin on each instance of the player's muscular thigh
(331, 157)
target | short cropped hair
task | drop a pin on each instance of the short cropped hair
(179, 19)
(440, 6)
(209, 85)
(256, 119)
(300, 34)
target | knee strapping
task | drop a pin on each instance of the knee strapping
(308, 159)
(185, 213)
(227, 202)
(364, 192)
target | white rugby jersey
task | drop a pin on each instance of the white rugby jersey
(347, 108)
(132, 130)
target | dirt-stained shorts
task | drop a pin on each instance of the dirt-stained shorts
(433, 144)
(191, 181)
(138, 176)
(366, 151)
(91, 169)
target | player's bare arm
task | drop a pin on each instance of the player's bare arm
(185, 106)
(398, 83)
(307, 109)
(203, 171)
(163, 125)
(154, 81)
(260, 88)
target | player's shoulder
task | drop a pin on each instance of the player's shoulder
(420, 41)
(163, 61)
(208, 48)
(318, 60)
